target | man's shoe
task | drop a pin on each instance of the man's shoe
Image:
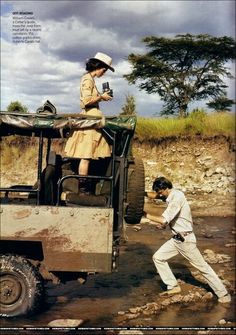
(226, 298)
(173, 290)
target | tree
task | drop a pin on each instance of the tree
(130, 107)
(221, 103)
(17, 107)
(183, 69)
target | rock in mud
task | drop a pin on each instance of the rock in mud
(135, 310)
(222, 322)
(207, 296)
(131, 316)
(176, 299)
(151, 308)
(166, 302)
(137, 228)
(208, 235)
(229, 245)
(65, 323)
(154, 307)
(197, 295)
(211, 257)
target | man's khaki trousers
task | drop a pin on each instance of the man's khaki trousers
(190, 251)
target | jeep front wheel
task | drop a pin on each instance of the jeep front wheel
(21, 286)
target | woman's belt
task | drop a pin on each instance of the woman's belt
(90, 107)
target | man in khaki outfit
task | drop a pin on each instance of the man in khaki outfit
(178, 216)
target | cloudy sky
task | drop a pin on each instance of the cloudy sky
(73, 31)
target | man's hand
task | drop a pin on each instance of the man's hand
(160, 226)
(151, 195)
(157, 225)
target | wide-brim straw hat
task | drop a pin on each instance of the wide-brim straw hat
(105, 59)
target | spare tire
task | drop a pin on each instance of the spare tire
(135, 192)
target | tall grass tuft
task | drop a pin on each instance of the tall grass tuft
(197, 123)
(18, 160)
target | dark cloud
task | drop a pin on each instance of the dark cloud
(73, 31)
(158, 17)
(131, 21)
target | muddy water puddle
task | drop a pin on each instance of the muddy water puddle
(101, 299)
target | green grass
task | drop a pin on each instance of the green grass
(197, 123)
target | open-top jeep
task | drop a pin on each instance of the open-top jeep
(46, 238)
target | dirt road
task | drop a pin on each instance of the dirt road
(106, 300)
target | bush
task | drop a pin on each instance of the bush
(17, 107)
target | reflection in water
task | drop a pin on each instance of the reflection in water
(198, 315)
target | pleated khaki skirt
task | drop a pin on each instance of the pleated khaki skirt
(88, 143)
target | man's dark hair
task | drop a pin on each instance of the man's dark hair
(161, 183)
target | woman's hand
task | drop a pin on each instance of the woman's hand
(105, 96)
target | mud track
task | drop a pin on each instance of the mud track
(129, 297)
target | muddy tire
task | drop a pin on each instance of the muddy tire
(135, 192)
(21, 286)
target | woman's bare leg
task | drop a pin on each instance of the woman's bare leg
(83, 171)
(84, 167)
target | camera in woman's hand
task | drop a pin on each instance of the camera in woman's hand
(106, 88)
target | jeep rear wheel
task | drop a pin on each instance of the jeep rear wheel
(21, 286)
(135, 192)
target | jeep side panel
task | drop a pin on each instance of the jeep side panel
(70, 238)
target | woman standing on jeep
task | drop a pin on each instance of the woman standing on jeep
(89, 143)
